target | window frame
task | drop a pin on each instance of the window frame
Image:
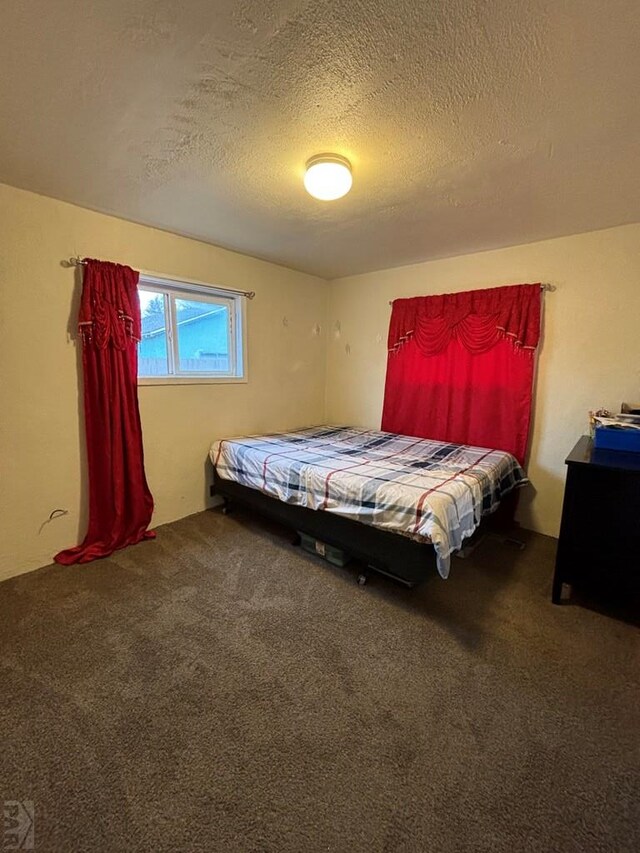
(172, 289)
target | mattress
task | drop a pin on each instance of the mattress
(429, 490)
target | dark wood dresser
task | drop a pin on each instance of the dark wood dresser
(599, 546)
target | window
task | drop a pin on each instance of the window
(190, 332)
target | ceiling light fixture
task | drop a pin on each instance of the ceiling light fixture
(328, 176)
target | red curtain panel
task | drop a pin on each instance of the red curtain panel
(120, 503)
(460, 367)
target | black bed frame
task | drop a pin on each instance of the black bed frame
(390, 554)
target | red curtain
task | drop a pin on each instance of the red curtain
(460, 367)
(120, 503)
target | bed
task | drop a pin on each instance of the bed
(401, 504)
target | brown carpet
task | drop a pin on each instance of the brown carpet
(220, 690)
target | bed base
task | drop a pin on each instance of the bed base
(404, 560)
(398, 557)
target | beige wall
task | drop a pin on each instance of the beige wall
(589, 357)
(41, 454)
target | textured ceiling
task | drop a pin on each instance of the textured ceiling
(470, 123)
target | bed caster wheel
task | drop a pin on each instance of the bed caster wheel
(226, 509)
(296, 541)
(362, 579)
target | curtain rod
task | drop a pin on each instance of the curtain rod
(82, 262)
(549, 287)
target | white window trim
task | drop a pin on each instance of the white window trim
(238, 326)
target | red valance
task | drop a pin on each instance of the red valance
(479, 319)
(109, 308)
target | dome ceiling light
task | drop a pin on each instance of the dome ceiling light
(328, 177)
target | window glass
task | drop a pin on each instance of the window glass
(203, 336)
(152, 350)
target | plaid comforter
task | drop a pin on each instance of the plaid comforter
(425, 489)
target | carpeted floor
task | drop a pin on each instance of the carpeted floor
(220, 690)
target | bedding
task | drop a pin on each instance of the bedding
(428, 490)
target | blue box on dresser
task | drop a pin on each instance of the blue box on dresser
(616, 438)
